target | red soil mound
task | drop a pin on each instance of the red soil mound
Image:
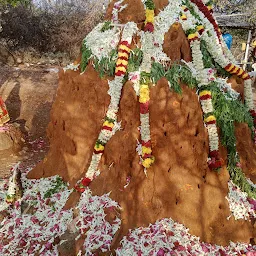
(179, 185)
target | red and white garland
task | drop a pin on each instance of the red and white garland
(115, 89)
(204, 77)
(144, 92)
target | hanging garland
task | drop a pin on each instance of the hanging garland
(194, 32)
(144, 92)
(115, 89)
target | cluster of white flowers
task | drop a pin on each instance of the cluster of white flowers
(163, 21)
(134, 77)
(207, 106)
(91, 221)
(34, 233)
(226, 88)
(248, 96)
(145, 127)
(167, 237)
(71, 66)
(102, 43)
(238, 203)
(213, 137)
(115, 90)
(118, 7)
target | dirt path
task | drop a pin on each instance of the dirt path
(28, 92)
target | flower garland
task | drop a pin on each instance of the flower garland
(14, 187)
(147, 157)
(115, 89)
(204, 76)
(207, 11)
(144, 92)
(214, 161)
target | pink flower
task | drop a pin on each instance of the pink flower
(161, 252)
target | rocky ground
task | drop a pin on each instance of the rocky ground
(28, 91)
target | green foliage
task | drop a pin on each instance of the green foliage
(86, 55)
(238, 178)
(175, 74)
(106, 26)
(107, 65)
(228, 112)
(15, 3)
(150, 4)
(209, 62)
(191, 9)
(58, 184)
(135, 60)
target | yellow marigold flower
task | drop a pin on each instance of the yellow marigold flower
(192, 36)
(123, 54)
(240, 72)
(124, 62)
(150, 14)
(124, 48)
(144, 93)
(205, 92)
(146, 150)
(120, 69)
(99, 147)
(148, 162)
(245, 76)
(210, 7)
(235, 70)
(209, 119)
(183, 16)
(230, 68)
(200, 27)
(108, 124)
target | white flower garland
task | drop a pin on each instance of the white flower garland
(202, 75)
(115, 89)
(248, 95)
(145, 127)
(213, 137)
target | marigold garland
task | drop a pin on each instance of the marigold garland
(116, 86)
